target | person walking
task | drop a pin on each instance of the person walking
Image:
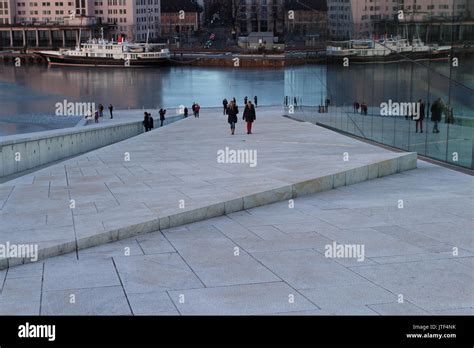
(151, 123)
(96, 116)
(162, 116)
(146, 122)
(198, 108)
(356, 106)
(224, 104)
(185, 112)
(249, 116)
(449, 111)
(111, 110)
(419, 121)
(246, 99)
(436, 110)
(232, 112)
(255, 100)
(101, 110)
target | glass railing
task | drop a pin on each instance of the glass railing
(395, 91)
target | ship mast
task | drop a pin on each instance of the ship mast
(148, 24)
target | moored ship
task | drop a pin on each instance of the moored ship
(103, 53)
(385, 50)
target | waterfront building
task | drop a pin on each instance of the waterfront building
(361, 18)
(306, 20)
(136, 20)
(180, 17)
(259, 15)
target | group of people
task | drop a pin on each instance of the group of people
(148, 121)
(195, 108)
(226, 104)
(231, 109)
(362, 106)
(437, 109)
(100, 112)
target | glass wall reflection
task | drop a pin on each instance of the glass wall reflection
(415, 102)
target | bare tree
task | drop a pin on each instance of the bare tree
(237, 7)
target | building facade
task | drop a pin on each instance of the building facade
(360, 18)
(135, 20)
(306, 17)
(259, 15)
(180, 17)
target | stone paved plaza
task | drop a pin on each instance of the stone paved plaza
(416, 228)
(172, 176)
(279, 266)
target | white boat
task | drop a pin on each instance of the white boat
(392, 49)
(100, 52)
(336, 51)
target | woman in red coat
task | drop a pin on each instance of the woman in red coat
(249, 116)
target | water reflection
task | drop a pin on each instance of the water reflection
(35, 90)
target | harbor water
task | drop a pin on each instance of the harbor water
(29, 94)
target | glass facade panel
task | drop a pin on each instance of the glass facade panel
(411, 79)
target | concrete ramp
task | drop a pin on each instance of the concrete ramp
(188, 171)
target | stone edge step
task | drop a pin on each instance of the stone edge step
(400, 163)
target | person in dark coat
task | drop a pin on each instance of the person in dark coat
(232, 112)
(185, 112)
(356, 106)
(151, 121)
(419, 121)
(101, 110)
(249, 116)
(246, 100)
(224, 104)
(436, 110)
(197, 108)
(162, 116)
(146, 122)
(255, 100)
(111, 110)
